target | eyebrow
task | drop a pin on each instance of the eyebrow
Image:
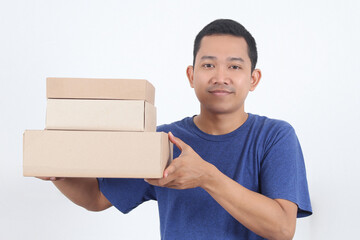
(235, 59)
(208, 57)
(228, 59)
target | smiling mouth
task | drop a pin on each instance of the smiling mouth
(220, 92)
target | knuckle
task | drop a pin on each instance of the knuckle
(181, 182)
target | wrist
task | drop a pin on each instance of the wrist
(210, 178)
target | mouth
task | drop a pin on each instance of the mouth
(220, 92)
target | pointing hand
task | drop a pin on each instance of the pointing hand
(189, 170)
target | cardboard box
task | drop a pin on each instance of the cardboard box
(103, 115)
(96, 88)
(95, 154)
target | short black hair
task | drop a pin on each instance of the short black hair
(228, 27)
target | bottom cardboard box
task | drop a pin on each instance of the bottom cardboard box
(52, 153)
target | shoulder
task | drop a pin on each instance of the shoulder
(264, 124)
(180, 125)
(269, 131)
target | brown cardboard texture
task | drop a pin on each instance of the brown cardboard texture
(95, 154)
(100, 115)
(97, 88)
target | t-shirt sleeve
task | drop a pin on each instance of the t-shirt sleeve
(126, 193)
(282, 170)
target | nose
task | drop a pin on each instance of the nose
(220, 76)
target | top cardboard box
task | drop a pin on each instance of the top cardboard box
(96, 88)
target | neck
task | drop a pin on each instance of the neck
(219, 124)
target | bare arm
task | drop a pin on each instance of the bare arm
(82, 191)
(269, 218)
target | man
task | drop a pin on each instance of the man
(235, 175)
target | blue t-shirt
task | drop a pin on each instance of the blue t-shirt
(263, 155)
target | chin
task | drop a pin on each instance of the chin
(221, 110)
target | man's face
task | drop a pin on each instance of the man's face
(222, 74)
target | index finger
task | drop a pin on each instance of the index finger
(51, 178)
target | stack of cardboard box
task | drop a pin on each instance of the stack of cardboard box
(97, 128)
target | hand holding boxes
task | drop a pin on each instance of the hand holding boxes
(98, 128)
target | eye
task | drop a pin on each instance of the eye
(208, 65)
(235, 67)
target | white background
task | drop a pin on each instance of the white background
(308, 54)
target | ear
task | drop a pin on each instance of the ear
(190, 75)
(255, 79)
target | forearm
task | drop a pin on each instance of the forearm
(82, 191)
(260, 214)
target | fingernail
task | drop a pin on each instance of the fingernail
(52, 178)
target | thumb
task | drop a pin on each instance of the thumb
(177, 141)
